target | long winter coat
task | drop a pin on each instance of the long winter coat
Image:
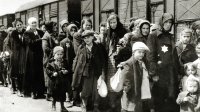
(15, 45)
(163, 62)
(98, 62)
(34, 78)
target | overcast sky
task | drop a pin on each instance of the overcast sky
(9, 6)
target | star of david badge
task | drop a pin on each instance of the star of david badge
(164, 48)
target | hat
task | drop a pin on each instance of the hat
(167, 16)
(87, 33)
(63, 22)
(56, 49)
(31, 20)
(192, 78)
(139, 46)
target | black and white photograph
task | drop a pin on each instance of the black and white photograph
(99, 55)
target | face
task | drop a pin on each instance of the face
(72, 31)
(102, 30)
(192, 86)
(167, 25)
(139, 54)
(87, 25)
(198, 31)
(190, 71)
(43, 28)
(19, 26)
(145, 30)
(88, 39)
(33, 25)
(113, 23)
(185, 38)
(64, 27)
(58, 55)
(55, 28)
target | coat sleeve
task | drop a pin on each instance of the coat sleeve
(50, 71)
(45, 46)
(128, 77)
(77, 41)
(27, 38)
(152, 55)
(180, 98)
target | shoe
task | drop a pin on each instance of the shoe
(33, 96)
(53, 108)
(49, 98)
(63, 109)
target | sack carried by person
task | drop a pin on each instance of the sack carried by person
(102, 88)
(116, 81)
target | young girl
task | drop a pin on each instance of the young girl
(57, 72)
(189, 99)
(190, 69)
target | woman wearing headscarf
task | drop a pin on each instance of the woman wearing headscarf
(34, 76)
(48, 43)
(15, 45)
(69, 54)
(114, 33)
(63, 34)
(164, 66)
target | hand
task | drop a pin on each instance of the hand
(185, 99)
(196, 109)
(155, 78)
(55, 74)
(64, 71)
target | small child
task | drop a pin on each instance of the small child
(190, 69)
(186, 50)
(189, 99)
(136, 85)
(57, 72)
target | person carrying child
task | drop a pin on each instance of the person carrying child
(57, 71)
(189, 99)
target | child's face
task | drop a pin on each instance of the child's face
(139, 54)
(190, 71)
(58, 55)
(185, 38)
(88, 39)
(102, 30)
(192, 86)
(72, 31)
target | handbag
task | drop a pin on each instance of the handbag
(116, 81)
(102, 88)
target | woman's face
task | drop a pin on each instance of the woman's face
(33, 25)
(19, 26)
(55, 28)
(72, 31)
(64, 27)
(113, 23)
(185, 37)
(145, 29)
(87, 26)
(167, 25)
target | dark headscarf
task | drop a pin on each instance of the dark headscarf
(163, 19)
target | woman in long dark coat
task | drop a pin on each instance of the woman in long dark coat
(48, 43)
(115, 32)
(34, 78)
(15, 45)
(164, 66)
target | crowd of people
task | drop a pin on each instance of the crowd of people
(158, 72)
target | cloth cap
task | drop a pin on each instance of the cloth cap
(167, 16)
(139, 46)
(192, 78)
(87, 33)
(56, 49)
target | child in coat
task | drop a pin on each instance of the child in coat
(197, 61)
(136, 83)
(186, 50)
(57, 72)
(190, 69)
(189, 99)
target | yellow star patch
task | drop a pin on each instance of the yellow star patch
(164, 48)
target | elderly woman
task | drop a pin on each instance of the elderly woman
(15, 45)
(34, 78)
